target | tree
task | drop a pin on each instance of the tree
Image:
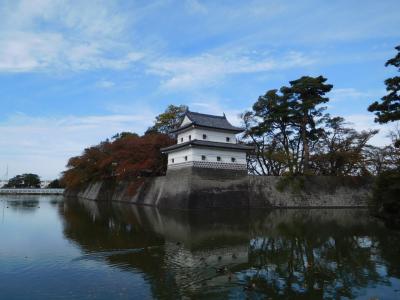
(170, 119)
(388, 110)
(127, 156)
(306, 94)
(387, 186)
(123, 135)
(269, 157)
(27, 180)
(284, 126)
(341, 150)
(55, 184)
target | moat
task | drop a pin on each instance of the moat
(52, 248)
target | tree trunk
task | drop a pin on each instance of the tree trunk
(305, 144)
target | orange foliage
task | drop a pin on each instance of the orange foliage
(128, 156)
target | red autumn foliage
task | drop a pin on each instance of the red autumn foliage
(127, 156)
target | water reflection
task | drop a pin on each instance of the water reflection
(21, 204)
(310, 254)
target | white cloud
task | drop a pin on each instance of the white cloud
(43, 145)
(38, 35)
(366, 122)
(105, 84)
(208, 69)
(352, 94)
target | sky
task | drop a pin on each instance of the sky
(73, 73)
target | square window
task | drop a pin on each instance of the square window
(218, 158)
(204, 136)
(228, 139)
(233, 159)
(185, 158)
(203, 157)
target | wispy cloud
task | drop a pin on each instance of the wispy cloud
(39, 35)
(352, 94)
(208, 69)
(105, 84)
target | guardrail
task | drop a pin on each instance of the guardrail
(32, 191)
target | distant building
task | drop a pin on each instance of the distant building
(44, 183)
(207, 141)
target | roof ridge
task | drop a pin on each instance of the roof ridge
(208, 115)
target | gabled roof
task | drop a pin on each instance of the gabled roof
(208, 121)
(202, 143)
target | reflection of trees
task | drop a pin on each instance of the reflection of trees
(288, 254)
(30, 203)
(390, 251)
(23, 205)
(312, 259)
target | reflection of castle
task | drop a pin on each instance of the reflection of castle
(318, 254)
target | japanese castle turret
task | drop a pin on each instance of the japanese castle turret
(207, 141)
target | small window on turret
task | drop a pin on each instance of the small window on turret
(218, 158)
(233, 159)
(203, 157)
(172, 160)
(190, 137)
(185, 158)
(181, 140)
(228, 139)
(204, 136)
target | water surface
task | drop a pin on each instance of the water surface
(56, 249)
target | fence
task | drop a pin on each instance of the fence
(32, 191)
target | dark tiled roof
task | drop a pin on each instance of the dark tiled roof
(210, 121)
(208, 144)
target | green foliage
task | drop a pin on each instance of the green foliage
(284, 126)
(306, 94)
(388, 109)
(27, 180)
(124, 134)
(169, 120)
(386, 192)
(292, 135)
(55, 184)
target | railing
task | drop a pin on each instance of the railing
(32, 191)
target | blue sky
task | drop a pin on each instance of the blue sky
(73, 73)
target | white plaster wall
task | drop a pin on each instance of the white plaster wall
(185, 121)
(179, 156)
(226, 155)
(194, 154)
(212, 135)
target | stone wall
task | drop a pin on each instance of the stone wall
(314, 191)
(200, 188)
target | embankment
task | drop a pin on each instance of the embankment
(193, 188)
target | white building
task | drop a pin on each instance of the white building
(207, 141)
